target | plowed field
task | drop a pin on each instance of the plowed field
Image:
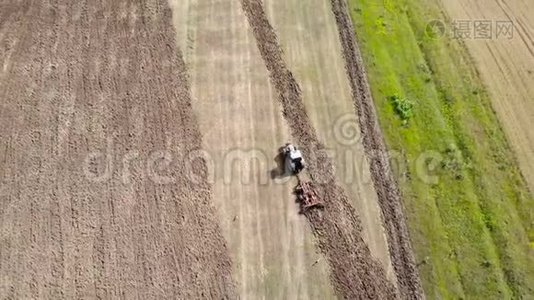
(94, 99)
(139, 154)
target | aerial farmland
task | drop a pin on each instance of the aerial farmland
(266, 149)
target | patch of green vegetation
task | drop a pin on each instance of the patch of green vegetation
(475, 223)
(402, 107)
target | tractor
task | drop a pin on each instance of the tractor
(306, 193)
(294, 162)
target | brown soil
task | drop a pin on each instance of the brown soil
(355, 273)
(80, 77)
(271, 245)
(388, 192)
(308, 35)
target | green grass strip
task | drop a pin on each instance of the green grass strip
(472, 228)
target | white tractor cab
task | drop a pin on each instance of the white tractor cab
(294, 162)
(306, 191)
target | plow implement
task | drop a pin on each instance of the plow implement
(307, 196)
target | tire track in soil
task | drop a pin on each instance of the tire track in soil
(86, 73)
(386, 186)
(355, 273)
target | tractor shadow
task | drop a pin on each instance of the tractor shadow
(280, 170)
